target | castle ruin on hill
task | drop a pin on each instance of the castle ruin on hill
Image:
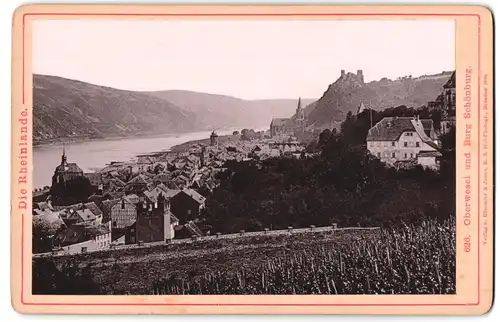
(347, 79)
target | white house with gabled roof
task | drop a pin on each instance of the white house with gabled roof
(396, 140)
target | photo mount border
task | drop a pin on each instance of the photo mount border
(477, 303)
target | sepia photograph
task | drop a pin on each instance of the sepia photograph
(243, 157)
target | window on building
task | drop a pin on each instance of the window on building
(411, 155)
(393, 154)
(417, 144)
(405, 144)
(114, 223)
(123, 204)
(189, 211)
(393, 143)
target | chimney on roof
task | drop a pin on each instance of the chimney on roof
(342, 74)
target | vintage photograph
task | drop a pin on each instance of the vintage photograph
(212, 156)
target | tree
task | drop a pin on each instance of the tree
(236, 133)
(344, 184)
(69, 279)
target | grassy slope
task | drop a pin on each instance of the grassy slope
(66, 108)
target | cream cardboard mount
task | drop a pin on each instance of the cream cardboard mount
(252, 159)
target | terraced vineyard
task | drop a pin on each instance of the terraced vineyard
(411, 260)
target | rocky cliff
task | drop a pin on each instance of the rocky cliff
(350, 90)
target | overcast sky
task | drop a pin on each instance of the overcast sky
(246, 59)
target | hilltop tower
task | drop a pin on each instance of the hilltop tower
(351, 79)
(359, 73)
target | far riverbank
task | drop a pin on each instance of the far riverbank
(223, 140)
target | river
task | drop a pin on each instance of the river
(93, 154)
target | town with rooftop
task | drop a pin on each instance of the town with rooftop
(162, 197)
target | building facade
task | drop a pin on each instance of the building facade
(396, 139)
(446, 103)
(154, 220)
(82, 239)
(289, 126)
(124, 212)
(187, 204)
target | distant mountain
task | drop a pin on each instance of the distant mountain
(214, 111)
(65, 108)
(350, 90)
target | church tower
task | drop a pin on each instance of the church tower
(214, 139)
(64, 160)
(65, 171)
(300, 119)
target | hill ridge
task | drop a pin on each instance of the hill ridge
(73, 109)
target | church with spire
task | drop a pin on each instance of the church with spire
(65, 171)
(289, 126)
